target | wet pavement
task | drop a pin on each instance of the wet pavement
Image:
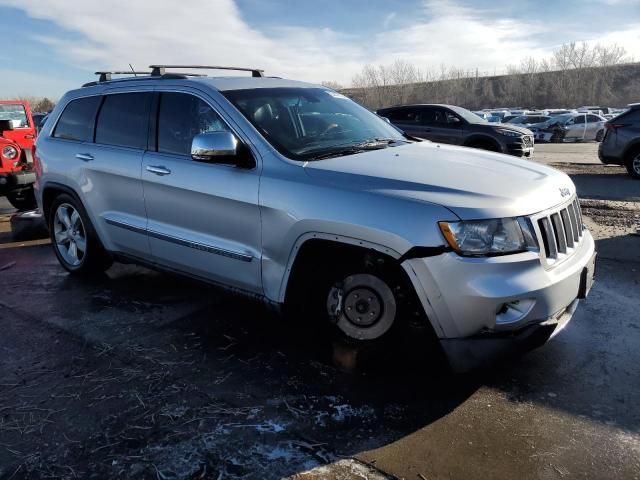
(139, 374)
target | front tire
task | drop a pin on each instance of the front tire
(74, 239)
(22, 200)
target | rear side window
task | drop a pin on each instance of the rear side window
(123, 120)
(180, 118)
(592, 119)
(78, 119)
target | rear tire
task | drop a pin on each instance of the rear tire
(633, 164)
(74, 239)
(22, 199)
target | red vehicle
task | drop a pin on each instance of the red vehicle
(17, 136)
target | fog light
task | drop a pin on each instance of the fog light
(514, 311)
(3, 181)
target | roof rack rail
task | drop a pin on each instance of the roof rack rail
(106, 76)
(159, 70)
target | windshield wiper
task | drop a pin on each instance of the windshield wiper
(352, 149)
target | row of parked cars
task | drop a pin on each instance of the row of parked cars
(619, 137)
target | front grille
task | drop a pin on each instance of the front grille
(561, 231)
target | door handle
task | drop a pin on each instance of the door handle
(158, 170)
(86, 157)
(29, 137)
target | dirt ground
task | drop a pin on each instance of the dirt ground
(139, 374)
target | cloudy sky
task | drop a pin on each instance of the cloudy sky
(51, 46)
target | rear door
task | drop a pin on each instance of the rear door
(576, 127)
(106, 165)
(204, 218)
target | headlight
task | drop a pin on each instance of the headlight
(508, 133)
(9, 152)
(490, 237)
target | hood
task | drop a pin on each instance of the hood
(515, 128)
(472, 183)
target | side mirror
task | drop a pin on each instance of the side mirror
(221, 147)
(5, 125)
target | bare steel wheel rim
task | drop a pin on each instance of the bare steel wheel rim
(362, 306)
(636, 164)
(70, 234)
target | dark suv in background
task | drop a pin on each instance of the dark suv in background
(621, 142)
(459, 126)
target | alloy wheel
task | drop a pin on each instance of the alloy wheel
(70, 234)
(635, 164)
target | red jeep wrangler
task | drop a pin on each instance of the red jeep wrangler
(17, 135)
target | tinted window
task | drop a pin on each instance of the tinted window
(78, 119)
(430, 116)
(439, 117)
(592, 119)
(579, 119)
(631, 116)
(123, 120)
(404, 115)
(182, 117)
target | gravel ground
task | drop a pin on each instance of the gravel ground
(138, 374)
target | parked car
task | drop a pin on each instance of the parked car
(621, 142)
(38, 120)
(459, 126)
(570, 127)
(16, 176)
(294, 194)
(526, 120)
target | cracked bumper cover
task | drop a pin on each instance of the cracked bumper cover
(463, 297)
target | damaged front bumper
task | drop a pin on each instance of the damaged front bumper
(483, 308)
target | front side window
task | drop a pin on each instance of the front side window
(405, 116)
(14, 112)
(78, 119)
(579, 120)
(181, 117)
(123, 120)
(306, 123)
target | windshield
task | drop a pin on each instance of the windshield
(304, 122)
(468, 115)
(15, 113)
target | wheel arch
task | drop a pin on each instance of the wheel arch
(318, 242)
(50, 191)
(482, 138)
(631, 148)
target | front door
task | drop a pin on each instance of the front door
(203, 218)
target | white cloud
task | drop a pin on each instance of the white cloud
(118, 32)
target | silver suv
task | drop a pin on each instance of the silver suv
(294, 194)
